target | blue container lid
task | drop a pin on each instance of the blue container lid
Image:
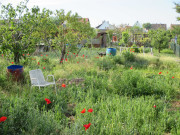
(14, 67)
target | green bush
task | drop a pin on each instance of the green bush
(128, 56)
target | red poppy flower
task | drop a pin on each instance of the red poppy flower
(90, 110)
(87, 126)
(2, 55)
(12, 62)
(132, 51)
(63, 85)
(28, 53)
(97, 57)
(160, 73)
(38, 63)
(167, 72)
(78, 62)
(61, 61)
(46, 55)
(68, 51)
(2, 119)
(154, 106)
(47, 100)
(41, 55)
(43, 67)
(67, 54)
(73, 53)
(86, 56)
(83, 111)
(83, 55)
(66, 59)
(131, 68)
(173, 77)
(23, 54)
(34, 59)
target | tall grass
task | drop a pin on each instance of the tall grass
(122, 99)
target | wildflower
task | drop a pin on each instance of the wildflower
(28, 53)
(41, 55)
(87, 126)
(154, 106)
(132, 51)
(90, 110)
(83, 111)
(63, 85)
(83, 55)
(23, 54)
(167, 72)
(73, 53)
(43, 67)
(2, 55)
(61, 61)
(78, 62)
(67, 54)
(47, 100)
(86, 56)
(160, 73)
(131, 68)
(12, 62)
(38, 63)
(46, 55)
(172, 77)
(2, 119)
(97, 57)
(68, 51)
(32, 58)
(66, 59)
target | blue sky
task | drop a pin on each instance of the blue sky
(115, 11)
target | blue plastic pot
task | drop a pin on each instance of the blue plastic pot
(16, 71)
(110, 51)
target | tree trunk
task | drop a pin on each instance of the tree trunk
(16, 57)
(159, 50)
(63, 51)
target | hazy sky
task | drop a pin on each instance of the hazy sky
(115, 11)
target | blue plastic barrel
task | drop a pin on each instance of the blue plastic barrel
(16, 71)
(110, 51)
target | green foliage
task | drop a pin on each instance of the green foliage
(125, 38)
(146, 42)
(128, 56)
(147, 26)
(159, 39)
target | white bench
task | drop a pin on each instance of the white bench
(37, 79)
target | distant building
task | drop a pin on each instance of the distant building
(174, 25)
(102, 32)
(158, 26)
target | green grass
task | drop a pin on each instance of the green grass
(122, 99)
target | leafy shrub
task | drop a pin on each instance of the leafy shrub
(106, 63)
(168, 51)
(118, 59)
(128, 56)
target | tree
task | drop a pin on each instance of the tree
(71, 31)
(147, 26)
(125, 38)
(159, 39)
(46, 29)
(177, 10)
(17, 30)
